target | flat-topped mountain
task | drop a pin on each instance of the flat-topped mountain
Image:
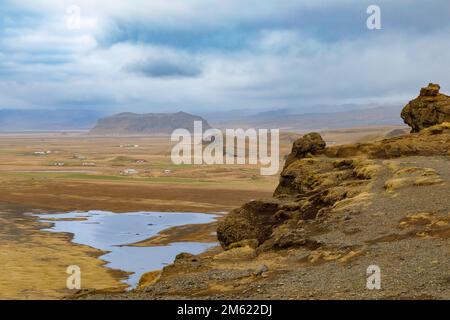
(129, 123)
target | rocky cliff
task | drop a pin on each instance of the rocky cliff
(151, 123)
(317, 182)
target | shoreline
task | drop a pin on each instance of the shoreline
(191, 233)
(34, 262)
(187, 233)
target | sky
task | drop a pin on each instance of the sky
(218, 55)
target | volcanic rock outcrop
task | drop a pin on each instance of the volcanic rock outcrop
(428, 109)
(318, 182)
(310, 143)
(308, 188)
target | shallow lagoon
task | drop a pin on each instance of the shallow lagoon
(114, 232)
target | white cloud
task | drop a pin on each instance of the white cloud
(48, 65)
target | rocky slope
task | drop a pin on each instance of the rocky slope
(337, 211)
(317, 182)
(151, 123)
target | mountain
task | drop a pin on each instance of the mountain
(129, 123)
(47, 120)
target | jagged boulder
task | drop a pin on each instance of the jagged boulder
(310, 143)
(299, 169)
(254, 220)
(428, 109)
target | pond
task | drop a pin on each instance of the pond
(114, 232)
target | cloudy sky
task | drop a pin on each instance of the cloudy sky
(191, 55)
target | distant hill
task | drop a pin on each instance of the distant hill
(129, 123)
(288, 119)
(47, 120)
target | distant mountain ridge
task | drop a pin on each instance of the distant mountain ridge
(287, 119)
(129, 123)
(14, 120)
(164, 123)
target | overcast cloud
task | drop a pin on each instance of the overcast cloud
(192, 55)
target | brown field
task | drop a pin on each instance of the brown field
(48, 172)
(360, 135)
